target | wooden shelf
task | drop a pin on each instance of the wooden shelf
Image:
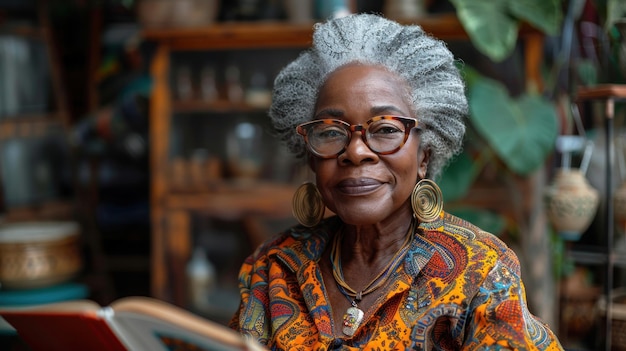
(22, 30)
(231, 200)
(597, 256)
(603, 91)
(275, 34)
(36, 27)
(28, 125)
(219, 106)
(250, 35)
(49, 210)
(235, 35)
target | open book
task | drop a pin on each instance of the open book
(128, 324)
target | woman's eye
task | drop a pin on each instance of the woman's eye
(330, 133)
(385, 129)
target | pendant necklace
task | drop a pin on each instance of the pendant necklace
(353, 316)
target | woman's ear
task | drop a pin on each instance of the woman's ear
(423, 156)
(311, 162)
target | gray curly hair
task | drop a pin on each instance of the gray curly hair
(436, 88)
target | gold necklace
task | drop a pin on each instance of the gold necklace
(353, 316)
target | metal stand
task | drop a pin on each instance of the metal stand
(609, 93)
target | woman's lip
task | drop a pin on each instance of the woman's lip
(358, 185)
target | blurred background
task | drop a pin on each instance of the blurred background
(136, 157)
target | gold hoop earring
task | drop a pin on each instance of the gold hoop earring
(307, 205)
(426, 200)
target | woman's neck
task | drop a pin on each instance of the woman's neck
(369, 245)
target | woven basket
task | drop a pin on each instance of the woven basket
(38, 254)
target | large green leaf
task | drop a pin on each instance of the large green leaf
(545, 15)
(493, 25)
(488, 25)
(615, 10)
(457, 177)
(522, 132)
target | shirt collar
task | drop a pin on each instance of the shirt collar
(308, 244)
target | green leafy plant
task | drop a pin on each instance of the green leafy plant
(513, 134)
(493, 25)
(510, 125)
(615, 11)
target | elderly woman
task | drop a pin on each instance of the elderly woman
(378, 109)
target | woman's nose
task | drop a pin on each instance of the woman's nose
(357, 151)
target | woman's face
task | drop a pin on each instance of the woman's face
(359, 185)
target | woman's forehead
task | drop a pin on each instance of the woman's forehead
(364, 88)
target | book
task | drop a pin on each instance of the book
(128, 324)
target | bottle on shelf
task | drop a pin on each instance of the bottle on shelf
(208, 85)
(184, 84)
(201, 279)
(258, 93)
(234, 89)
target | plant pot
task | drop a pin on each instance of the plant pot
(571, 203)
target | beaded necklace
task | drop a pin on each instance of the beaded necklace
(353, 316)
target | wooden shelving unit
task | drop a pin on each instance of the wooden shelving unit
(171, 208)
(36, 125)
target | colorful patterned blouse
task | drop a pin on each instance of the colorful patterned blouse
(458, 288)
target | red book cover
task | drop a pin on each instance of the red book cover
(63, 330)
(128, 324)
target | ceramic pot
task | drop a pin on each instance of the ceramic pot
(619, 207)
(405, 10)
(38, 254)
(299, 12)
(177, 13)
(325, 9)
(571, 203)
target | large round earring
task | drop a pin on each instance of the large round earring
(307, 205)
(427, 200)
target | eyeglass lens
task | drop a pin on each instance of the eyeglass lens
(328, 138)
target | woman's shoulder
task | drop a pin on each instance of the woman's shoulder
(469, 233)
(465, 246)
(298, 239)
(451, 230)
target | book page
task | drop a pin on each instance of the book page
(149, 324)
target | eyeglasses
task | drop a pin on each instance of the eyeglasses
(328, 138)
